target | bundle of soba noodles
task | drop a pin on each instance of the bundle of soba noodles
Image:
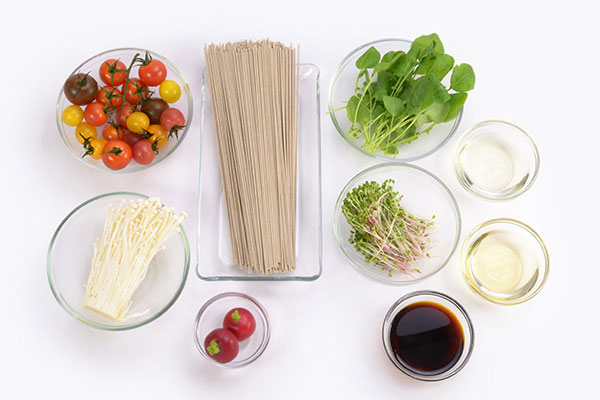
(254, 92)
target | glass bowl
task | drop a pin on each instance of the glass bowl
(341, 89)
(92, 65)
(525, 242)
(450, 304)
(70, 256)
(424, 195)
(211, 317)
(496, 160)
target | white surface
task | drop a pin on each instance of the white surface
(536, 65)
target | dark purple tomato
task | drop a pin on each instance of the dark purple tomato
(154, 109)
(80, 89)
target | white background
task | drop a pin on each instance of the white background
(537, 65)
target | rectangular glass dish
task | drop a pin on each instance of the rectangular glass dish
(214, 260)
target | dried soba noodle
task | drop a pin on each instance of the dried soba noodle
(254, 91)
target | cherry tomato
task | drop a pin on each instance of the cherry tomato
(221, 345)
(241, 322)
(116, 154)
(113, 72)
(124, 113)
(135, 91)
(112, 94)
(143, 152)
(94, 147)
(112, 131)
(172, 120)
(85, 131)
(131, 138)
(94, 114)
(159, 135)
(72, 115)
(138, 122)
(154, 108)
(153, 72)
(169, 91)
(80, 89)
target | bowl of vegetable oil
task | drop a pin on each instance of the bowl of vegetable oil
(505, 261)
(496, 160)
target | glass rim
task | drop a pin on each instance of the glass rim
(263, 344)
(483, 195)
(411, 298)
(69, 309)
(474, 233)
(453, 202)
(331, 108)
(185, 87)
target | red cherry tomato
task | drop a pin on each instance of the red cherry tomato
(241, 322)
(112, 94)
(124, 113)
(131, 138)
(94, 114)
(112, 132)
(113, 72)
(153, 73)
(221, 345)
(116, 154)
(143, 152)
(135, 91)
(172, 120)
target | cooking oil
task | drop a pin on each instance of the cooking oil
(501, 265)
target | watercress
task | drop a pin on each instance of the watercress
(400, 96)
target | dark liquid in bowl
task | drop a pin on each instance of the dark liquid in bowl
(427, 338)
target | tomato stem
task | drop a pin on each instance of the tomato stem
(235, 316)
(115, 150)
(175, 131)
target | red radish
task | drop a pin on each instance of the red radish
(221, 345)
(241, 322)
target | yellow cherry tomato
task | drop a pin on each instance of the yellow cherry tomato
(138, 122)
(95, 148)
(72, 115)
(85, 131)
(159, 135)
(169, 91)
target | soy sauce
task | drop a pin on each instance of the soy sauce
(427, 338)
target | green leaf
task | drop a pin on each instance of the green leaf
(369, 59)
(442, 64)
(435, 113)
(383, 85)
(421, 95)
(404, 64)
(357, 111)
(463, 78)
(456, 103)
(426, 45)
(391, 150)
(394, 105)
(440, 94)
(387, 61)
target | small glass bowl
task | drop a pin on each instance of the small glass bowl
(341, 89)
(496, 160)
(211, 317)
(424, 195)
(92, 65)
(70, 258)
(450, 304)
(531, 249)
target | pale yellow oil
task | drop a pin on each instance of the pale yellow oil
(501, 266)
